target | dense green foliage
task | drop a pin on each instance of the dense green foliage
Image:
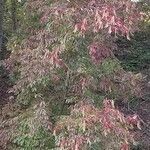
(135, 53)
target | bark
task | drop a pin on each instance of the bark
(1, 23)
(13, 13)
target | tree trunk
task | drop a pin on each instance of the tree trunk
(1, 23)
(13, 13)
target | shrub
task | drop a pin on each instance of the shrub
(65, 60)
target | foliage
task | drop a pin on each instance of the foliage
(31, 135)
(64, 63)
(28, 130)
(135, 54)
(87, 125)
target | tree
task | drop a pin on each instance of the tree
(65, 65)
